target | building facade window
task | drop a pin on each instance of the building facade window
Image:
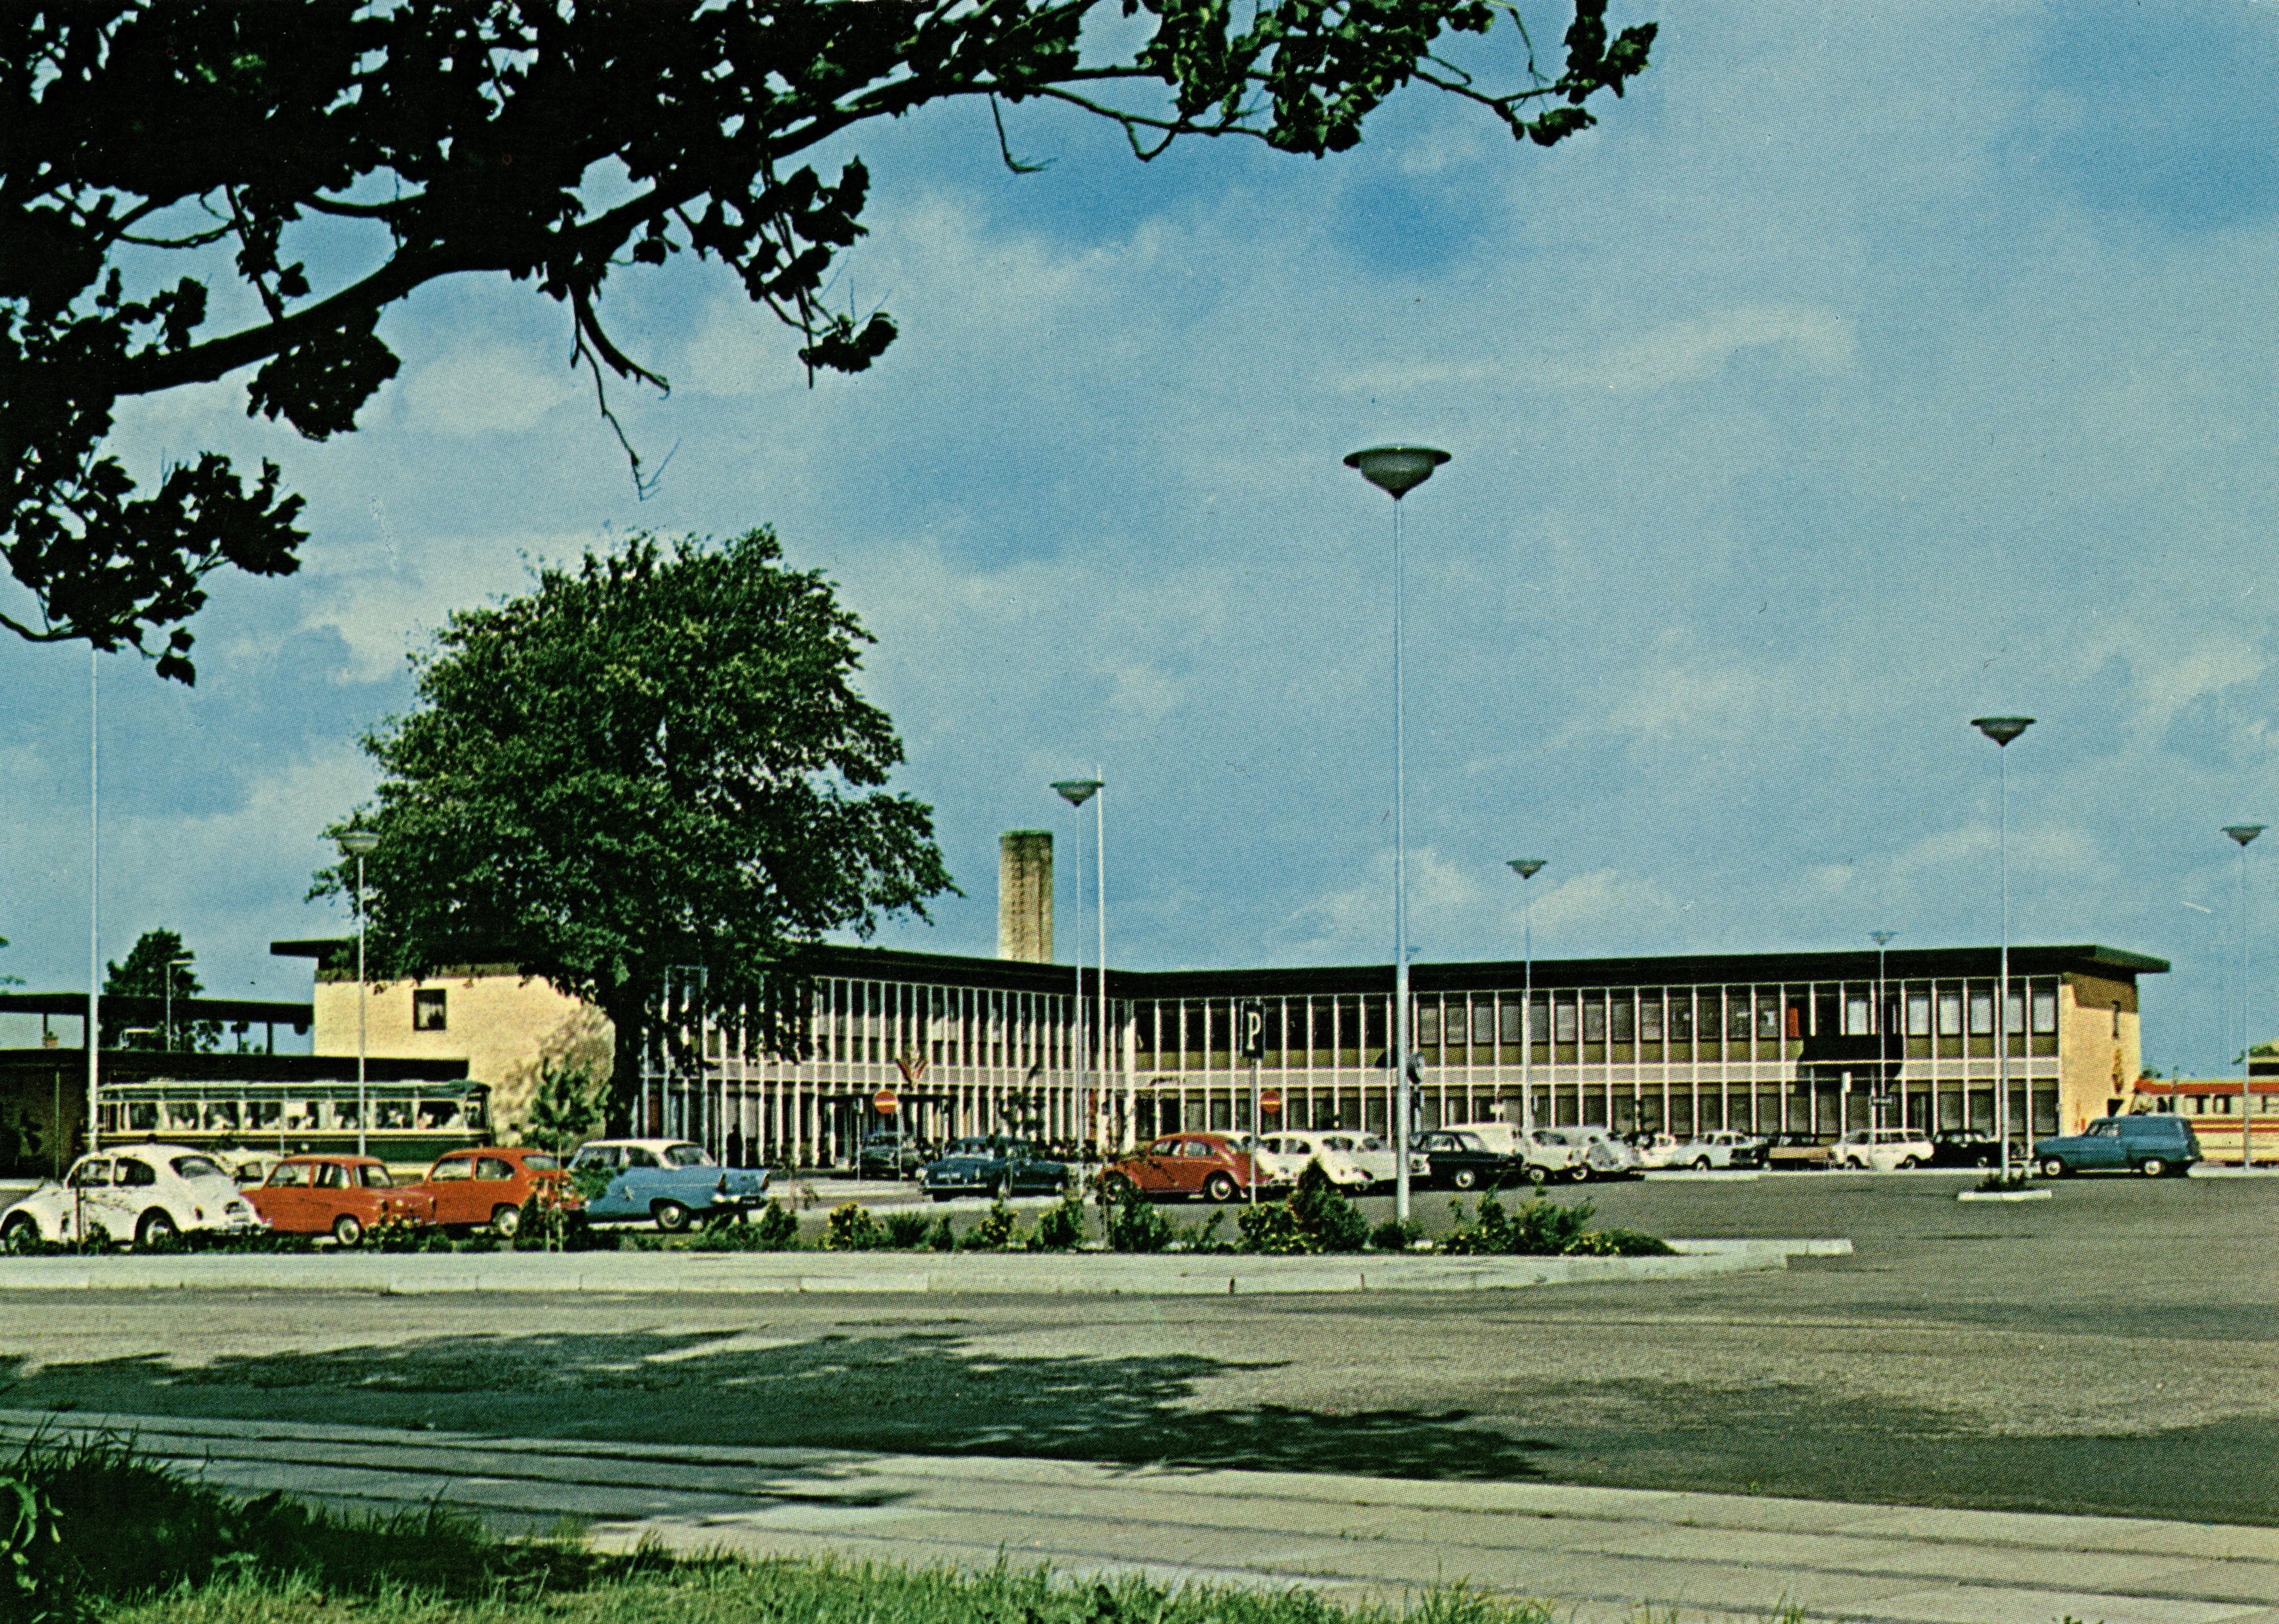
(2045, 1011)
(427, 1010)
(1982, 1015)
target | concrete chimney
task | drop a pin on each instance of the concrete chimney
(1024, 895)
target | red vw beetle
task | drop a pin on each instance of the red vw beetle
(339, 1196)
(1209, 1164)
(490, 1184)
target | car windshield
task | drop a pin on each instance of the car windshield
(2104, 1129)
(1467, 1141)
(374, 1177)
(196, 1167)
(687, 1156)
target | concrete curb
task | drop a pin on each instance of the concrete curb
(2003, 1195)
(1100, 1273)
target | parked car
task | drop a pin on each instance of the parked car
(1209, 1164)
(993, 1166)
(1792, 1151)
(1881, 1149)
(1596, 1152)
(670, 1181)
(1291, 1151)
(1965, 1149)
(1657, 1150)
(490, 1184)
(1455, 1160)
(1558, 1157)
(339, 1196)
(1721, 1147)
(1275, 1169)
(2152, 1144)
(148, 1191)
(888, 1155)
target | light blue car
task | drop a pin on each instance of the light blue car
(669, 1181)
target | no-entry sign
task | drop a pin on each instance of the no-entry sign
(885, 1102)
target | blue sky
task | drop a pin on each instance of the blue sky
(1868, 369)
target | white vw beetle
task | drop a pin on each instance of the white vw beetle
(148, 1191)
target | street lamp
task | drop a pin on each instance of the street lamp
(172, 966)
(2002, 730)
(1527, 869)
(1397, 471)
(1076, 792)
(2242, 833)
(359, 844)
(1882, 938)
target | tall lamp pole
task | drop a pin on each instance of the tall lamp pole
(1527, 869)
(360, 844)
(1882, 938)
(1397, 471)
(1076, 792)
(2242, 833)
(2002, 730)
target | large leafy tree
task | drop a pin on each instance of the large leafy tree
(554, 142)
(657, 760)
(158, 966)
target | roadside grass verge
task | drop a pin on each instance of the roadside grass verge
(99, 1535)
(648, 1590)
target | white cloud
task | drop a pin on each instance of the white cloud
(485, 389)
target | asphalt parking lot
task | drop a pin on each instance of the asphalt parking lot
(2114, 1349)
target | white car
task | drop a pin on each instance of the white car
(1721, 1147)
(1882, 1149)
(1274, 1167)
(1333, 1151)
(148, 1191)
(1596, 1153)
(1659, 1150)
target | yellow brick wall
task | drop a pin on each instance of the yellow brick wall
(501, 1025)
(2100, 1045)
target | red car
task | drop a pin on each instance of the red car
(339, 1196)
(489, 1185)
(1208, 1165)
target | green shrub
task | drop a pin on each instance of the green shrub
(1270, 1227)
(1323, 1212)
(402, 1235)
(1131, 1222)
(907, 1231)
(1547, 1229)
(998, 1230)
(1394, 1235)
(1622, 1244)
(852, 1227)
(942, 1237)
(1061, 1227)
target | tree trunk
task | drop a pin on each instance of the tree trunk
(623, 1008)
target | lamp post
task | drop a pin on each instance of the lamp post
(359, 844)
(2242, 833)
(1527, 869)
(1397, 471)
(172, 966)
(1882, 938)
(1076, 792)
(2002, 730)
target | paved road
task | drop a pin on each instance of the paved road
(2113, 1351)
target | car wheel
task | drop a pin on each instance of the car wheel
(1702, 1164)
(1984, 1160)
(2152, 1167)
(1464, 1178)
(157, 1224)
(1219, 1187)
(1538, 1174)
(348, 1228)
(671, 1216)
(506, 1221)
(2053, 1167)
(19, 1231)
(1909, 1164)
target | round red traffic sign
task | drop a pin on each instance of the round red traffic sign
(885, 1102)
(1271, 1100)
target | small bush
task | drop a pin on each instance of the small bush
(1131, 1222)
(907, 1231)
(1394, 1235)
(852, 1227)
(1323, 1212)
(998, 1230)
(1060, 1228)
(1271, 1228)
(1622, 1244)
(942, 1237)
(402, 1235)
